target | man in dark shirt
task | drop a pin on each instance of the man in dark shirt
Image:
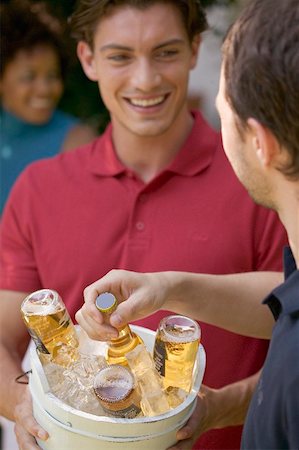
(258, 105)
(273, 416)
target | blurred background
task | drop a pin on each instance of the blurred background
(81, 96)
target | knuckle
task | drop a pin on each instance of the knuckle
(94, 336)
(86, 291)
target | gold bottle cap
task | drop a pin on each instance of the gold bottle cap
(106, 302)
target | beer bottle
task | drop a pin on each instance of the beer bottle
(50, 327)
(117, 392)
(175, 350)
(126, 341)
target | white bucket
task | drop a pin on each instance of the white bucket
(70, 429)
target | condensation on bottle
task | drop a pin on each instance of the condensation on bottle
(175, 351)
(127, 340)
(117, 392)
(50, 327)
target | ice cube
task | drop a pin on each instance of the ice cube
(74, 384)
(154, 404)
(175, 396)
(149, 381)
(89, 346)
(139, 359)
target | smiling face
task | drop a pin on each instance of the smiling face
(141, 61)
(31, 85)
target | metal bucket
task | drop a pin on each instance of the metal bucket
(70, 429)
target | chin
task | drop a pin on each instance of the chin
(39, 119)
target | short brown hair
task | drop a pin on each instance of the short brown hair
(261, 71)
(88, 13)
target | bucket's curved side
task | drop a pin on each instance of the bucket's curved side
(71, 429)
(66, 437)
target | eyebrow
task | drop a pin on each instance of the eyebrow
(115, 46)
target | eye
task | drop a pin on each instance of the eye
(26, 77)
(119, 58)
(53, 76)
(167, 53)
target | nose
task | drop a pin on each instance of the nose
(146, 75)
(43, 85)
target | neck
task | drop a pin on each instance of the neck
(289, 216)
(149, 155)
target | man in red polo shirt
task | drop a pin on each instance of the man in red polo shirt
(155, 192)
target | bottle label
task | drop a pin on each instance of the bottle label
(129, 413)
(38, 342)
(160, 357)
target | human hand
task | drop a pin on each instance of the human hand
(204, 418)
(26, 427)
(138, 295)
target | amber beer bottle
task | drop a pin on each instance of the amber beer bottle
(175, 351)
(50, 327)
(117, 392)
(126, 341)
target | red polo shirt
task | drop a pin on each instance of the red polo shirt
(72, 218)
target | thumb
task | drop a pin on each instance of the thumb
(133, 308)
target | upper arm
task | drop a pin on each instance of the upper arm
(77, 136)
(13, 332)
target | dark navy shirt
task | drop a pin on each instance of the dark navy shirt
(273, 417)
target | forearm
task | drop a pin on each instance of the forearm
(228, 406)
(233, 302)
(10, 391)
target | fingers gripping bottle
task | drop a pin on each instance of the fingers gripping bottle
(126, 341)
(50, 327)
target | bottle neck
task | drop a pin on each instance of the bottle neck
(124, 336)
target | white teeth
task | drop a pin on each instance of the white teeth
(145, 103)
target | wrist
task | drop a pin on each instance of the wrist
(174, 291)
(14, 394)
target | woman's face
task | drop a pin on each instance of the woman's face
(31, 85)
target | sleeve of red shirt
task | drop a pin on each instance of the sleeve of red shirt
(269, 241)
(18, 270)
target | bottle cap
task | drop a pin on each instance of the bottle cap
(106, 302)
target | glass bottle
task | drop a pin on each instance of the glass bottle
(116, 390)
(175, 350)
(126, 341)
(50, 327)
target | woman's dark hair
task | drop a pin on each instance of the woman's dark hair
(89, 13)
(25, 26)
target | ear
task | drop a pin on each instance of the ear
(264, 143)
(195, 45)
(86, 57)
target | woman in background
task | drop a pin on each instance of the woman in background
(33, 67)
